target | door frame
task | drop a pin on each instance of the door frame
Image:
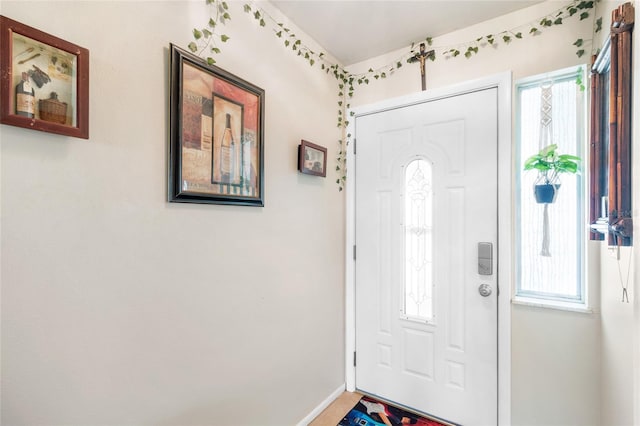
(503, 82)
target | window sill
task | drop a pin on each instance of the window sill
(553, 304)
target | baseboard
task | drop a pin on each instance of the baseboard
(323, 405)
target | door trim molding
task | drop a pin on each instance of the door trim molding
(503, 82)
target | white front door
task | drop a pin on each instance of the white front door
(426, 217)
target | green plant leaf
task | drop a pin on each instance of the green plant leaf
(578, 42)
(533, 30)
(212, 23)
(193, 47)
(215, 50)
(518, 35)
(247, 8)
(197, 34)
(580, 53)
(584, 15)
(262, 23)
(211, 61)
(506, 39)
(429, 41)
(598, 24)
(558, 21)
(224, 38)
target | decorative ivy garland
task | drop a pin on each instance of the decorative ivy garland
(209, 37)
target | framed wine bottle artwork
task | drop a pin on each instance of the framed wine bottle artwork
(216, 144)
(44, 81)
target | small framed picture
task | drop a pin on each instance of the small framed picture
(312, 159)
(216, 151)
(44, 81)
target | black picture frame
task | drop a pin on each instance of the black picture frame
(216, 143)
(312, 159)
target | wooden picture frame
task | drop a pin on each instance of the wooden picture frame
(44, 81)
(312, 159)
(216, 146)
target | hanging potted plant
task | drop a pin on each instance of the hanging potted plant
(550, 165)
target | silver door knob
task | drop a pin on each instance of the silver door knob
(484, 290)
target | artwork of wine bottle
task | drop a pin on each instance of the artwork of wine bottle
(227, 153)
(25, 98)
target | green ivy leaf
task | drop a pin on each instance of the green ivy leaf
(197, 34)
(225, 6)
(211, 61)
(578, 42)
(193, 47)
(212, 23)
(429, 41)
(558, 21)
(533, 30)
(286, 42)
(506, 39)
(598, 25)
(215, 50)
(572, 11)
(518, 35)
(206, 33)
(584, 15)
(224, 38)
(262, 23)
(398, 64)
(580, 53)
(247, 8)
(311, 62)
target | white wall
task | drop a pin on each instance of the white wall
(555, 354)
(121, 308)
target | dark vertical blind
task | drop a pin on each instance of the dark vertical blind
(618, 163)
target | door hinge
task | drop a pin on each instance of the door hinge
(354, 358)
(354, 252)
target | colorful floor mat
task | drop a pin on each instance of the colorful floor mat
(371, 412)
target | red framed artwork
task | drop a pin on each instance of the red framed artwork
(44, 81)
(312, 159)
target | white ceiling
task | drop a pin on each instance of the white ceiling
(354, 30)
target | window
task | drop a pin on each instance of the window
(550, 238)
(418, 241)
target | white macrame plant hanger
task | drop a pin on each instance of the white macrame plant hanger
(546, 139)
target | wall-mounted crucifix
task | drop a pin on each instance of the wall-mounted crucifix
(422, 57)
